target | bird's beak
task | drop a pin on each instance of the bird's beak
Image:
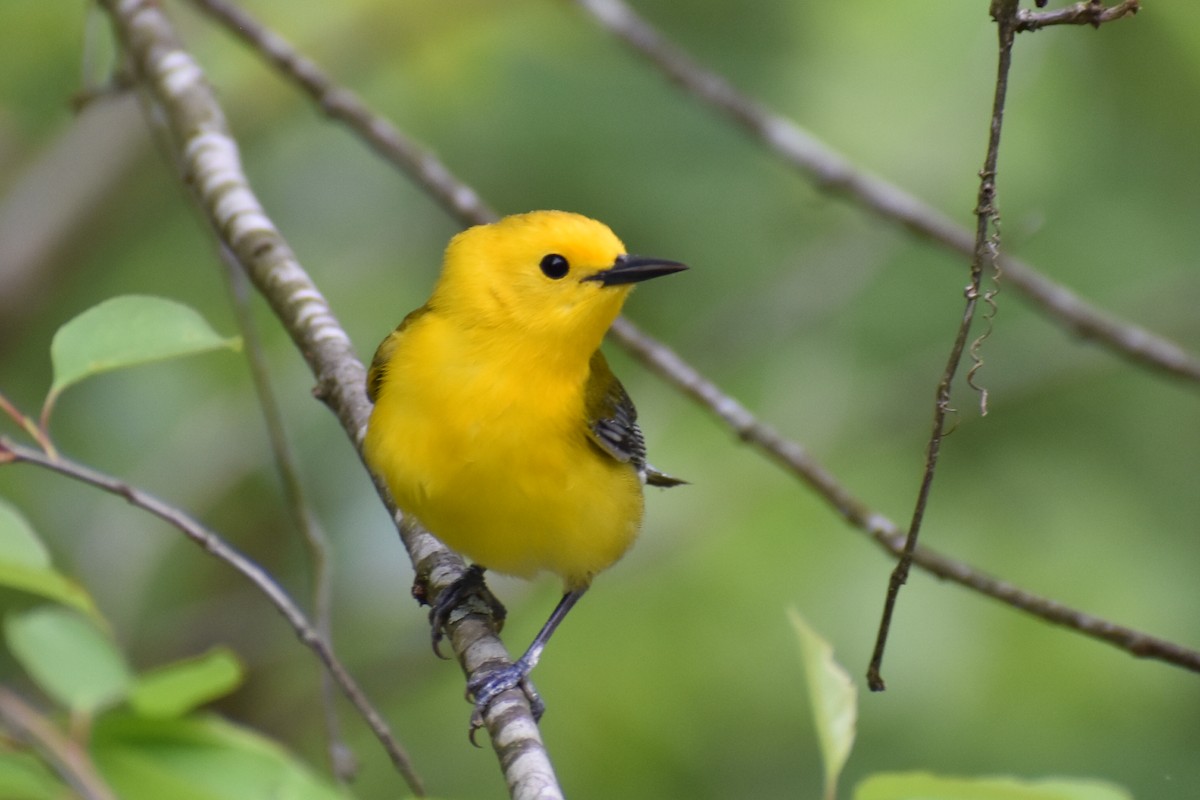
(632, 269)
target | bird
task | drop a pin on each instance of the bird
(498, 424)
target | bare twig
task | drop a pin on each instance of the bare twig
(68, 758)
(217, 547)
(986, 215)
(37, 432)
(305, 522)
(834, 173)
(882, 530)
(671, 367)
(1088, 12)
(201, 142)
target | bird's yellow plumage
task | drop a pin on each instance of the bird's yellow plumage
(497, 422)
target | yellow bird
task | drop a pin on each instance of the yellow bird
(498, 423)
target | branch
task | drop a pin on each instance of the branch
(834, 173)
(883, 531)
(341, 758)
(987, 242)
(340, 103)
(70, 761)
(201, 141)
(217, 547)
(668, 365)
(1088, 12)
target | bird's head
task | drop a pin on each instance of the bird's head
(550, 274)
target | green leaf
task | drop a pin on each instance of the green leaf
(24, 777)
(71, 659)
(18, 542)
(176, 689)
(832, 697)
(25, 565)
(49, 584)
(200, 757)
(924, 786)
(126, 331)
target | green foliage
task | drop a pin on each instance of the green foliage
(125, 332)
(831, 696)
(148, 741)
(922, 786)
(201, 757)
(834, 704)
(71, 659)
(175, 689)
(23, 776)
(25, 564)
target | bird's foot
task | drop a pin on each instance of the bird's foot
(485, 689)
(470, 583)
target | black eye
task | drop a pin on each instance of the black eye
(555, 266)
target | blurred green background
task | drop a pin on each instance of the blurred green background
(679, 675)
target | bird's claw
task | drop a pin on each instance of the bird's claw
(470, 583)
(485, 689)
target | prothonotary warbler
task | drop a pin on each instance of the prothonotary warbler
(498, 423)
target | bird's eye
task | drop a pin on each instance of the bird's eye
(555, 266)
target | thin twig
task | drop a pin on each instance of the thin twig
(791, 455)
(69, 759)
(1088, 12)
(201, 141)
(35, 431)
(304, 521)
(834, 173)
(986, 214)
(217, 547)
(666, 363)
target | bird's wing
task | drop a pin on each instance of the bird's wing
(377, 373)
(611, 417)
(612, 423)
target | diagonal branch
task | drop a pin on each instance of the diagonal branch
(217, 547)
(69, 759)
(304, 520)
(343, 105)
(793, 457)
(835, 174)
(666, 363)
(202, 143)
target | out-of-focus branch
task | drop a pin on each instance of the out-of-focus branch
(304, 521)
(69, 759)
(1088, 12)
(201, 142)
(340, 103)
(883, 531)
(834, 173)
(217, 547)
(666, 363)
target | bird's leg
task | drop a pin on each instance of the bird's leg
(469, 583)
(486, 688)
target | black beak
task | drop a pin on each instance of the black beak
(632, 269)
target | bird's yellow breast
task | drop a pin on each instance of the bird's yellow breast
(485, 441)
